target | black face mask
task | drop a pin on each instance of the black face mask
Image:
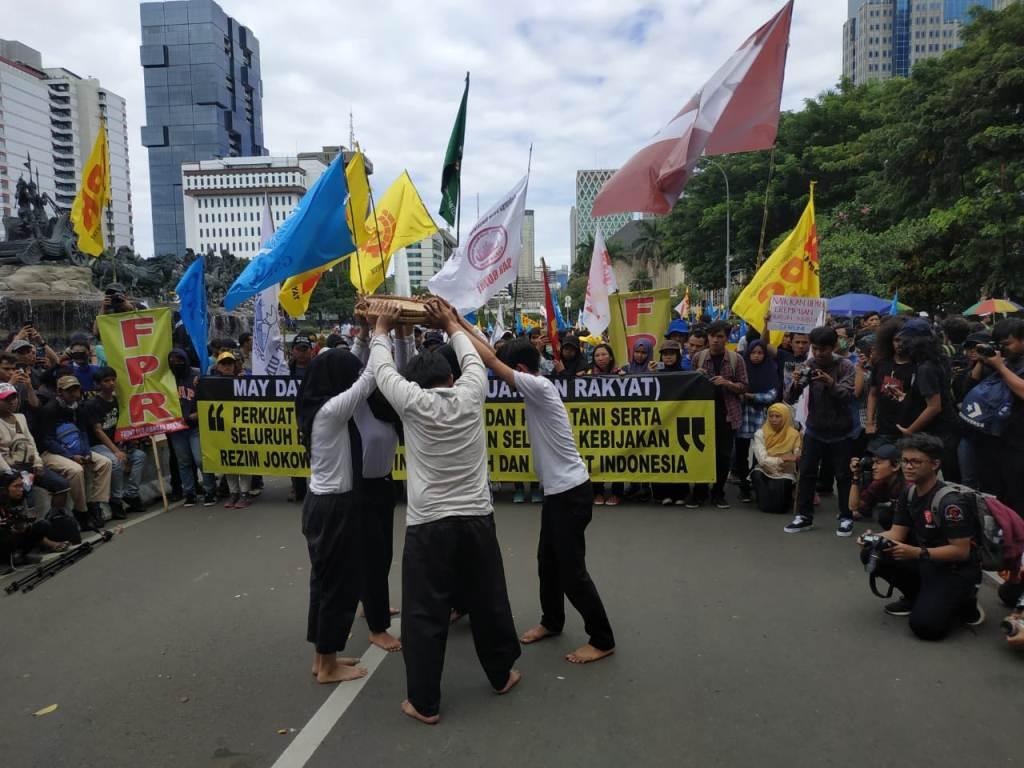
(80, 357)
(179, 368)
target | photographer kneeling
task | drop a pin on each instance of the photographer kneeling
(928, 554)
(885, 484)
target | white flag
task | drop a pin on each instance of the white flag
(597, 312)
(489, 260)
(499, 327)
(268, 358)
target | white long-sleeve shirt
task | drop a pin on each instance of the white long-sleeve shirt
(445, 445)
(379, 438)
(330, 453)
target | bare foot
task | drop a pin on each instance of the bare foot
(394, 611)
(536, 634)
(410, 710)
(513, 677)
(587, 654)
(386, 640)
(348, 661)
(339, 673)
(454, 616)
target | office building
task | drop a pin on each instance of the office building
(583, 225)
(527, 259)
(204, 100)
(52, 116)
(572, 237)
(885, 38)
(417, 263)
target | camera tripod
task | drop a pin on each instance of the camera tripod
(52, 568)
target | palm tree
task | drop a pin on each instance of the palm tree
(649, 247)
(585, 252)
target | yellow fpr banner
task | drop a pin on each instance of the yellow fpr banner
(401, 220)
(92, 197)
(638, 316)
(657, 427)
(137, 345)
(792, 270)
(298, 289)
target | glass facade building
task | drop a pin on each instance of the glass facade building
(901, 39)
(204, 100)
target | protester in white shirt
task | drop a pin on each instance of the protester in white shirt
(451, 548)
(330, 392)
(567, 507)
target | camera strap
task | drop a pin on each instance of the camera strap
(872, 582)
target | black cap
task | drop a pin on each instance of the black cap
(430, 338)
(302, 338)
(334, 340)
(886, 452)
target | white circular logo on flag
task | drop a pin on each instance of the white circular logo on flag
(487, 247)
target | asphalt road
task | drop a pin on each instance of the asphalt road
(181, 643)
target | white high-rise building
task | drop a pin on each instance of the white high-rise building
(417, 263)
(51, 116)
(527, 259)
(588, 184)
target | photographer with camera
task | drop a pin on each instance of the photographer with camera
(884, 485)
(32, 351)
(830, 429)
(928, 554)
(115, 299)
(19, 532)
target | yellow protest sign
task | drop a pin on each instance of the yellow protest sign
(247, 426)
(638, 316)
(651, 428)
(137, 345)
(792, 270)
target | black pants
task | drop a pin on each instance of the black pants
(333, 529)
(378, 508)
(774, 494)
(447, 561)
(562, 566)
(725, 436)
(1000, 471)
(23, 541)
(741, 462)
(810, 458)
(299, 488)
(943, 596)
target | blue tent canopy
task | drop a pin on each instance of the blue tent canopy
(851, 304)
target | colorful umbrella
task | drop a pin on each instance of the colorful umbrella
(991, 306)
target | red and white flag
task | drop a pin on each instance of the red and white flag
(597, 312)
(737, 110)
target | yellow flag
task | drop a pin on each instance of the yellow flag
(401, 220)
(792, 270)
(92, 197)
(298, 289)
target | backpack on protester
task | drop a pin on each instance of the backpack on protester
(1000, 539)
(73, 439)
(988, 404)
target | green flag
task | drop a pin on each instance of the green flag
(453, 163)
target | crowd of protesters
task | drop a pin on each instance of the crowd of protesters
(831, 412)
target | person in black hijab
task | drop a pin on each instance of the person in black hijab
(330, 392)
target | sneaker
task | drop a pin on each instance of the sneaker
(518, 497)
(134, 504)
(232, 501)
(244, 501)
(691, 502)
(845, 527)
(190, 500)
(975, 617)
(254, 491)
(209, 499)
(599, 500)
(117, 510)
(680, 502)
(666, 502)
(612, 501)
(718, 500)
(799, 525)
(746, 495)
(901, 607)
(537, 497)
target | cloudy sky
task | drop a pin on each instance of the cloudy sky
(586, 81)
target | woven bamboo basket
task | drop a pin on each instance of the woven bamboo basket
(411, 310)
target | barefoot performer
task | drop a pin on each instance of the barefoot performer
(450, 543)
(330, 392)
(567, 510)
(378, 427)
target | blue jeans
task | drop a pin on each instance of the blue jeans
(968, 465)
(136, 462)
(189, 456)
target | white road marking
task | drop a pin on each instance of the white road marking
(312, 735)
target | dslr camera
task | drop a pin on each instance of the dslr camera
(985, 350)
(876, 546)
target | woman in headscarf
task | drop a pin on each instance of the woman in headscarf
(777, 450)
(332, 521)
(762, 391)
(573, 363)
(641, 357)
